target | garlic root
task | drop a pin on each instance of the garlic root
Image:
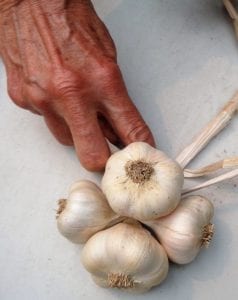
(207, 234)
(208, 132)
(61, 207)
(117, 280)
(139, 171)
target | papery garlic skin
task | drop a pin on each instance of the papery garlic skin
(85, 212)
(125, 256)
(186, 229)
(141, 182)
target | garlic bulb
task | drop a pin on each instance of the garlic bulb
(186, 229)
(85, 212)
(141, 182)
(125, 256)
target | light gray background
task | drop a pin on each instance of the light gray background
(180, 63)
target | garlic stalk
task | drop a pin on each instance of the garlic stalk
(186, 229)
(232, 13)
(141, 182)
(209, 132)
(125, 256)
(85, 212)
(226, 163)
(220, 178)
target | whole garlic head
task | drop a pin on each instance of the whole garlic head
(85, 212)
(186, 229)
(125, 256)
(141, 182)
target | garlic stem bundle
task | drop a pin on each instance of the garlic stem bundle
(232, 13)
(226, 163)
(212, 181)
(125, 256)
(186, 229)
(85, 212)
(141, 182)
(220, 121)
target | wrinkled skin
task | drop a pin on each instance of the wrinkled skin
(61, 64)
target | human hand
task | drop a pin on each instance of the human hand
(61, 63)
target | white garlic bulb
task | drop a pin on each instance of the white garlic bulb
(141, 182)
(186, 229)
(125, 256)
(85, 212)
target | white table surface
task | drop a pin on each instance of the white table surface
(180, 63)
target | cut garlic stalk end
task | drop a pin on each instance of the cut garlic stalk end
(220, 121)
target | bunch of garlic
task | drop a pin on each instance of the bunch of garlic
(142, 188)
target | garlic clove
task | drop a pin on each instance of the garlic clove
(85, 212)
(141, 182)
(186, 230)
(125, 256)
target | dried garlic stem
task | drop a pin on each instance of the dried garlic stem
(228, 175)
(120, 281)
(232, 13)
(222, 164)
(231, 9)
(209, 132)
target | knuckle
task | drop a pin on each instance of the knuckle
(140, 133)
(37, 97)
(40, 103)
(66, 84)
(109, 79)
(108, 69)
